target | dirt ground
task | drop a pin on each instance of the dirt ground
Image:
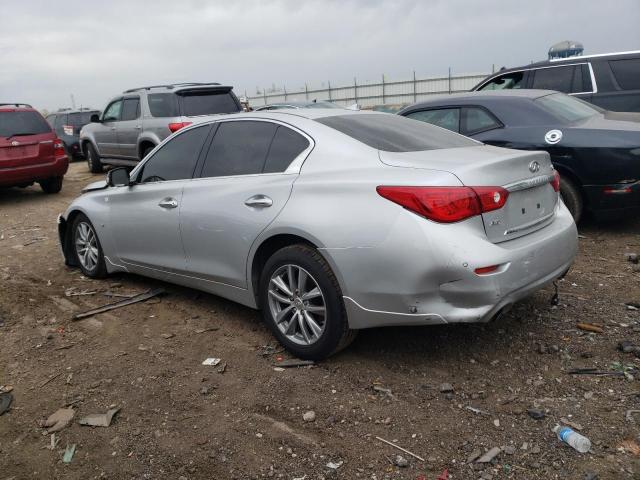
(182, 420)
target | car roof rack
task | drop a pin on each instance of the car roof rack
(171, 86)
(23, 105)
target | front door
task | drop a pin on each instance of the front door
(105, 135)
(129, 128)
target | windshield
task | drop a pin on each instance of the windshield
(392, 133)
(322, 105)
(566, 108)
(22, 123)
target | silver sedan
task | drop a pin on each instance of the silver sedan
(331, 221)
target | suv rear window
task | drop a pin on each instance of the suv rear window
(208, 103)
(80, 119)
(393, 133)
(627, 73)
(163, 104)
(22, 123)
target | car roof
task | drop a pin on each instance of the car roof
(16, 107)
(71, 110)
(503, 95)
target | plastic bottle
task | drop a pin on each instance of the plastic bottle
(573, 439)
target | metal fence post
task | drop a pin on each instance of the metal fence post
(415, 95)
(383, 102)
(449, 79)
(285, 93)
(264, 93)
(306, 91)
(355, 89)
(329, 85)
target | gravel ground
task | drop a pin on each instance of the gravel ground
(182, 420)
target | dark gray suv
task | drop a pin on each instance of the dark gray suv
(134, 123)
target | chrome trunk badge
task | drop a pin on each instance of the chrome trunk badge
(15, 144)
(534, 167)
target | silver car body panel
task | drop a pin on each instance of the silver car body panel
(394, 267)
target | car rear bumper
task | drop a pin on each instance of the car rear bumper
(613, 201)
(32, 173)
(426, 284)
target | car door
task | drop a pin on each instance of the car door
(245, 181)
(129, 127)
(445, 117)
(105, 134)
(144, 217)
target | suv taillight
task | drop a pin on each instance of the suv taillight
(446, 204)
(58, 148)
(174, 127)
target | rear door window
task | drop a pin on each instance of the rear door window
(448, 118)
(627, 73)
(208, 103)
(163, 104)
(131, 109)
(22, 123)
(478, 120)
(239, 148)
(505, 82)
(284, 149)
(176, 159)
(555, 78)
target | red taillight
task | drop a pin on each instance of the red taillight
(446, 204)
(616, 191)
(486, 270)
(555, 183)
(174, 127)
(58, 148)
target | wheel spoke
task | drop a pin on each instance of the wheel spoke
(313, 326)
(279, 297)
(303, 330)
(302, 280)
(314, 293)
(279, 282)
(291, 327)
(282, 314)
(316, 309)
(292, 285)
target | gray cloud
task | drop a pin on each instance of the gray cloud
(97, 49)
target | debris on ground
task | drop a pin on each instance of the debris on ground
(334, 465)
(294, 362)
(400, 448)
(387, 391)
(446, 388)
(211, 361)
(6, 399)
(208, 329)
(630, 446)
(490, 455)
(632, 257)
(99, 419)
(589, 327)
(627, 346)
(476, 410)
(58, 420)
(50, 379)
(68, 453)
(123, 303)
(536, 413)
(309, 416)
(629, 415)
(574, 425)
(6, 388)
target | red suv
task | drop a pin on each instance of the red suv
(29, 150)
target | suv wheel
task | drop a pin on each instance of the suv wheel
(51, 185)
(146, 152)
(93, 159)
(302, 303)
(87, 248)
(572, 198)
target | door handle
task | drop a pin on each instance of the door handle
(138, 127)
(168, 203)
(258, 201)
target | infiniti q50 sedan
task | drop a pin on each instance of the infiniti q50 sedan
(331, 221)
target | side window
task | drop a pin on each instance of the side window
(448, 118)
(505, 82)
(239, 148)
(478, 120)
(130, 109)
(285, 147)
(112, 113)
(177, 158)
(163, 104)
(555, 78)
(627, 73)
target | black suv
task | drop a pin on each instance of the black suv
(610, 81)
(67, 124)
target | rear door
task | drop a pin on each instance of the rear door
(244, 183)
(106, 134)
(25, 139)
(129, 127)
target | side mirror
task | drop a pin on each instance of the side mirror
(118, 177)
(95, 118)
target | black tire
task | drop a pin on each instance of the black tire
(51, 185)
(146, 152)
(93, 159)
(572, 198)
(100, 268)
(336, 334)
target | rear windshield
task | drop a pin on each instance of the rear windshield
(393, 133)
(567, 109)
(163, 104)
(208, 103)
(80, 119)
(22, 123)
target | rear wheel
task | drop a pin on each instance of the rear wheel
(93, 159)
(87, 248)
(51, 185)
(147, 151)
(302, 303)
(571, 197)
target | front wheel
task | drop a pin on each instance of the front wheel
(302, 303)
(87, 248)
(572, 198)
(51, 185)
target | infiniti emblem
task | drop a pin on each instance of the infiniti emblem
(534, 167)
(553, 136)
(15, 144)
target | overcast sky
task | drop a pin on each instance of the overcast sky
(94, 50)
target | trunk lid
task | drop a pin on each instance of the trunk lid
(26, 150)
(526, 175)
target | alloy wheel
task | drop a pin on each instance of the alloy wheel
(86, 246)
(297, 304)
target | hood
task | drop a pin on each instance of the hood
(99, 185)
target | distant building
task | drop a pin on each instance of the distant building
(565, 49)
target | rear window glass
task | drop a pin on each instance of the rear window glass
(208, 103)
(22, 123)
(627, 73)
(393, 133)
(565, 108)
(556, 78)
(80, 119)
(163, 104)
